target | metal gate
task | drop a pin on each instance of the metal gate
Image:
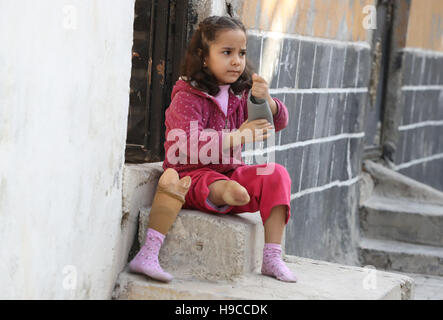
(160, 37)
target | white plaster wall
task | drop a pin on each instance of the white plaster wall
(64, 92)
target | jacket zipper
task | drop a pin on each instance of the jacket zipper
(226, 123)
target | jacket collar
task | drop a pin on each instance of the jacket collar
(190, 87)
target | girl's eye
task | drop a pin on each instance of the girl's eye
(227, 52)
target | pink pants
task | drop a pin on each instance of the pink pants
(265, 191)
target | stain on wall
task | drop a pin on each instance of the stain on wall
(425, 28)
(338, 19)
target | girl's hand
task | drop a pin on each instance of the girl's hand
(260, 89)
(257, 130)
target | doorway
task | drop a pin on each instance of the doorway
(377, 87)
(160, 37)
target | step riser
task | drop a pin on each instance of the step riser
(401, 226)
(402, 262)
(156, 291)
(203, 246)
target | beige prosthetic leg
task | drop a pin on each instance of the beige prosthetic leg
(168, 200)
(167, 203)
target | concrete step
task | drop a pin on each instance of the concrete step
(317, 280)
(427, 287)
(210, 246)
(402, 220)
(391, 184)
(401, 256)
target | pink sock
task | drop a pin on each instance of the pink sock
(146, 260)
(273, 264)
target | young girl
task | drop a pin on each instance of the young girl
(212, 94)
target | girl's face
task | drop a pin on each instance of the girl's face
(227, 56)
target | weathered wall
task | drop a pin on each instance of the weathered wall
(64, 72)
(425, 29)
(316, 57)
(419, 152)
(338, 19)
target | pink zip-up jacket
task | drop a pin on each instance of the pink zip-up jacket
(191, 112)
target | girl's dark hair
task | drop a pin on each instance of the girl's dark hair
(198, 49)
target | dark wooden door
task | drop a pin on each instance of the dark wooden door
(160, 37)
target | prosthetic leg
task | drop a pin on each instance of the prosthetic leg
(168, 201)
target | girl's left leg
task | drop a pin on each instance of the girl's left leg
(273, 264)
(270, 194)
(275, 224)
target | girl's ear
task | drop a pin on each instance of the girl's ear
(200, 53)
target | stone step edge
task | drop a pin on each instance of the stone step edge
(317, 280)
(385, 181)
(385, 221)
(402, 205)
(401, 256)
(392, 246)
